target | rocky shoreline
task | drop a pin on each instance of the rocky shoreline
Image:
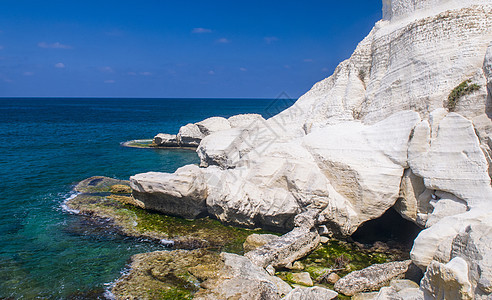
(404, 124)
(188, 272)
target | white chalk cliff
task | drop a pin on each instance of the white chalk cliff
(378, 133)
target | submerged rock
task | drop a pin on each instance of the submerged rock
(255, 241)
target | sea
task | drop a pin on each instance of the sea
(48, 145)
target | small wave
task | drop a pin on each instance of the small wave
(69, 197)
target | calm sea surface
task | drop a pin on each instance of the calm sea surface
(50, 144)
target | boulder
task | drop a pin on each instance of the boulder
(302, 278)
(189, 136)
(213, 124)
(245, 120)
(240, 279)
(182, 193)
(255, 241)
(371, 278)
(447, 281)
(165, 140)
(286, 249)
(313, 293)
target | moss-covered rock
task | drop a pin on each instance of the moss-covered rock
(103, 197)
(167, 274)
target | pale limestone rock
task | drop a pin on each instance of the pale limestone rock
(446, 205)
(401, 284)
(286, 249)
(364, 164)
(217, 148)
(189, 135)
(413, 198)
(313, 293)
(245, 120)
(255, 240)
(411, 294)
(447, 281)
(332, 278)
(365, 296)
(301, 278)
(242, 280)
(213, 124)
(182, 193)
(452, 161)
(388, 293)
(371, 278)
(166, 140)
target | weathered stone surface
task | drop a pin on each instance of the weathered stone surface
(189, 136)
(302, 278)
(447, 281)
(313, 293)
(452, 161)
(388, 293)
(285, 249)
(240, 279)
(365, 296)
(166, 140)
(213, 124)
(245, 120)
(182, 193)
(257, 240)
(401, 284)
(371, 278)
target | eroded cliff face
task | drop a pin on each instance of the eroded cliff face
(382, 130)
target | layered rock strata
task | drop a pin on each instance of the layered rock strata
(404, 122)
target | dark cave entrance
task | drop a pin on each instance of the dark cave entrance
(391, 228)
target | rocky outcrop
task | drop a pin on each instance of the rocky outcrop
(371, 278)
(380, 132)
(165, 140)
(181, 194)
(447, 281)
(190, 135)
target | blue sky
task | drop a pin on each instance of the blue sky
(204, 49)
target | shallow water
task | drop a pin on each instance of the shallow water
(50, 144)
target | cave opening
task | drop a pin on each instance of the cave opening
(391, 228)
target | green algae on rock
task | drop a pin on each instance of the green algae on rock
(167, 274)
(104, 197)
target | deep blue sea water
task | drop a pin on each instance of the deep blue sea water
(46, 146)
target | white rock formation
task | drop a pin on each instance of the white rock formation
(182, 193)
(375, 133)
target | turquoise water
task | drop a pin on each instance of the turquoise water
(50, 144)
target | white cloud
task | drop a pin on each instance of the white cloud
(56, 45)
(211, 72)
(243, 69)
(270, 39)
(308, 60)
(28, 73)
(201, 30)
(60, 65)
(223, 41)
(106, 69)
(109, 81)
(145, 73)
